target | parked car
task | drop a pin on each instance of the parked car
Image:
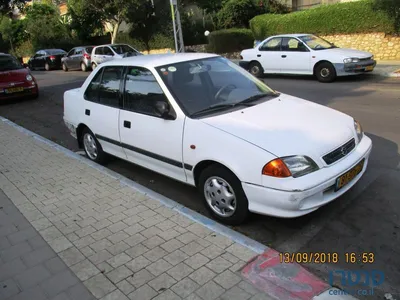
(78, 58)
(15, 80)
(204, 121)
(305, 54)
(103, 53)
(48, 59)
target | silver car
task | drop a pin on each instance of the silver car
(78, 58)
(109, 52)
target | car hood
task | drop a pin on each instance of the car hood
(347, 53)
(13, 75)
(288, 126)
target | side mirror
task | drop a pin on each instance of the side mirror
(162, 107)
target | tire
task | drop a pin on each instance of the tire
(64, 67)
(94, 66)
(84, 67)
(97, 155)
(228, 182)
(47, 67)
(325, 72)
(256, 69)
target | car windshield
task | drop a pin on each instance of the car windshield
(8, 63)
(56, 52)
(210, 85)
(316, 43)
(122, 49)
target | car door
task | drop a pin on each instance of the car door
(68, 59)
(295, 57)
(97, 56)
(108, 54)
(77, 58)
(102, 108)
(39, 60)
(148, 139)
(268, 55)
(33, 61)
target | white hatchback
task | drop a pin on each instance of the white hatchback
(305, 54)
(204, 121)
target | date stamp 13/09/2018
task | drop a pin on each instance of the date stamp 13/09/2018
(327, 257)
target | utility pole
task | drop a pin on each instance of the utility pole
(176, 21)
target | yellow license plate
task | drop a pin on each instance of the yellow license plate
(369, 68)
(14, 90)
(349, 175)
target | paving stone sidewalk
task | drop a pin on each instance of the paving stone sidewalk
(83, 230)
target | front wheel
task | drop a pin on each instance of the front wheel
(325, 72)
(83, 67)
(94, 66)
(256, 69)
(223, 195)
(64, 67)
(92, 147)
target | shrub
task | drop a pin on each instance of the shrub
(158, 41)
(25, 49)
(230, 40)
(351, 17)
(237, 13)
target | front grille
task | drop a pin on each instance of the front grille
(364, 59)
(340, 152)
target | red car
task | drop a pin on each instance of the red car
(16, 81)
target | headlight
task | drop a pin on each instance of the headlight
(372, 57)
(351, 60)
(29, 77)
(359, 130)
(295, 166)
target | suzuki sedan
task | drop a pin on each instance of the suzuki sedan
(204, 121)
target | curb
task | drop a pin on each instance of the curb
(278, 280)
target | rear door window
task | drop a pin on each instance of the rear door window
(109, 89)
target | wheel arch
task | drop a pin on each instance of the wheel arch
(202, 165)
(321, 62)
(79, 131)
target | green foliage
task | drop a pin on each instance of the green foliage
(12, 31)
(158, 41)
(7, 6)
(392, 9)
(193, 30)
(230, 40)
(45, 29)
(237, 13)
(351, 17)
(24, 49)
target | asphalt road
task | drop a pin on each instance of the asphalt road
(366, 219)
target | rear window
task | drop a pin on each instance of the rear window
(122, 49)
(89, 49)
(56, 52)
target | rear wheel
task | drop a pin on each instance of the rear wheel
(223, 195)
(47, 67)
(325, 72)
(92, 147)
(64, 67)
(83, 67)
(256, 69)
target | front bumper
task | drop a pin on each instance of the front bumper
(290, 204)
(355, 68)
(244, 64)
(27, 91)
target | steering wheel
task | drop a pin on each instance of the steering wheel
(218, 94)
(317, 46)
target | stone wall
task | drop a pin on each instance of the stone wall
(384, 47)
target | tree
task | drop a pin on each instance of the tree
(12, 31)
(7, 6)
(111, 12)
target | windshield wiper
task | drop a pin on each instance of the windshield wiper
(257, 97)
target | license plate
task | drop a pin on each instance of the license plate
(14, 90)
(349, 175)
(369, 68)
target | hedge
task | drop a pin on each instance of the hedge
(230, 40)
(339, 18)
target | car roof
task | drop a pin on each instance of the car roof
(156, 60)
(111, 45)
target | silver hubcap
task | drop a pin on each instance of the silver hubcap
(220, 196)
(325, 72)
(255, 70)
(90, 146)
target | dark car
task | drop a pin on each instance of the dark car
(16, 80)
(78, 58)
(48, 59)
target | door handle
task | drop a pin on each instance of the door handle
(87, 112)
(283, 56)
(258, 55)
(127, 124)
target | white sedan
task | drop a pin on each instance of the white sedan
(305, 54)
(204, 121)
